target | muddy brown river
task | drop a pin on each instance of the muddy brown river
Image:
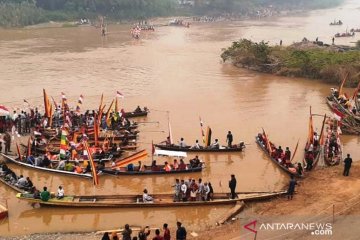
(175, 70)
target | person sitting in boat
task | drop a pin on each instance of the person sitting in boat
(36, 193)
(46, 162)
(78, 169)
(60, 193)
(146, 197)
(175, 165)
(138, 109)
(21, 182)
(69, 166)
(182, 143)
(195, 162)
(167, 167)
(30, 160)
(154, 166)
(215, 144)
(354, 110)
(45, 195)
(196, 145)
(182, 165)
(61, 165)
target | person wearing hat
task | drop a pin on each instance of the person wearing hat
(180, 232)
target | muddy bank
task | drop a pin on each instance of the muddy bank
(316, 194)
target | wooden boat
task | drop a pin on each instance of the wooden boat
(133, 114)
(333, 103)
(13, 187)
(346, 34)
(55, 150)
(135, 201)
(173, 147)
(284, 168)
(336, 23)
(3, 212)
(332, 156)
(313, 143)
(149, 171)
(50, 170)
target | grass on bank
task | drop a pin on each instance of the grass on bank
(329, 63)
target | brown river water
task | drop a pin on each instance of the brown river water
(172, 69)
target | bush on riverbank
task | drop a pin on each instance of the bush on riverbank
(306, 59)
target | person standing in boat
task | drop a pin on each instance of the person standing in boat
(287, 154)
(232, 186)
(229, 139)
(7, 140)
(183, 191)
(347, 166)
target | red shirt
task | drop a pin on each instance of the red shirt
(158, 238)
(167, 234)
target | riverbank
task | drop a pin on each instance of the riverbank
(307, 59)
(316, 195)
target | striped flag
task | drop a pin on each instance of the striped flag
(202, 130)
(208, 137)
(92, 164)
(63, 144)
(18, 150)
(80, 102)
(119, 94)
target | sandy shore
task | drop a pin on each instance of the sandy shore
(321, 192)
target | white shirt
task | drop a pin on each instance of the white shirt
(61, 192)
(147, 198)
(183, 188)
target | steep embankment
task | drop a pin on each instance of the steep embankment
(304, 59)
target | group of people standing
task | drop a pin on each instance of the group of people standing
(144, 233)
(191, 190)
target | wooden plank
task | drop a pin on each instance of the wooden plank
(239, 206)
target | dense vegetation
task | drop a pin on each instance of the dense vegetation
(25, 12)
(305, 59)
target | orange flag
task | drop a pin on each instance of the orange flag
(93, 168)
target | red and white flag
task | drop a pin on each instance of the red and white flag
(119, 94)
(337, 114)
(4, 111)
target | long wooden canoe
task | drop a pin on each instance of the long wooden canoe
(13, 187)
(149, 171)
(3, 212)
(333, 102)
(133, 114)
(236, 148)
(50, 170)
(285, 169)
(135, 201)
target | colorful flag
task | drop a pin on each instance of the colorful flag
(119, 94)
(46, 104)
(92, 164)
(29, 148)
(78, 106)
(18, 150)
(108, 120)
(208, 137)
(202, 130)
(136, 156)
(170, 134)
(311, 130)
(63, 144)
(337, 114)
(342, 84)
